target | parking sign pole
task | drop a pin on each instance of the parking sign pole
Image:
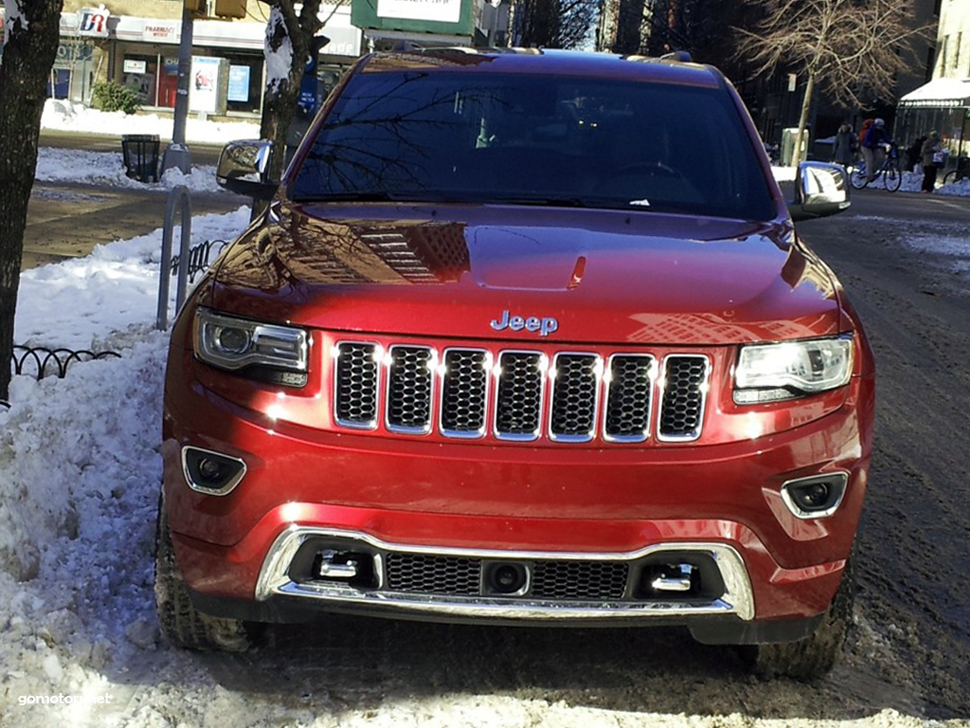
(177, 153)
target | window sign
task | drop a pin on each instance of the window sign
(238, 83)
(444, 11)
(93, 22)
(204, 84)
(135, 66)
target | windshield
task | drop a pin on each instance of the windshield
(528, 139)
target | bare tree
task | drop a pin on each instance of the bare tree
(851, 48)
(31, 33)
(291, 38)
(552, 23)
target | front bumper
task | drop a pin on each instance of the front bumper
(515, 503)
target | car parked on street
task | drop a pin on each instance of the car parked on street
(523, 337)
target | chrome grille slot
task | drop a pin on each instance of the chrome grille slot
(409, 389)
(518, 413)
(628, 398)
(476, 393)
(575, 397)
(594, 580)
(429, 574)
(464, 392)
(685, 379)
(356, 382)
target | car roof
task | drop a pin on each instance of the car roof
(667, 70)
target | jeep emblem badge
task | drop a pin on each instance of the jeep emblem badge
(544, 326)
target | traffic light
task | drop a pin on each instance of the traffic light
(194, 5)
(230, 9)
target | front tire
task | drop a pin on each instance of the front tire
(893, 178)
(857, 178)
(814, 657)
(181, 623)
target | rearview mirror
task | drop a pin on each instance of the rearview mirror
(242, 168)
(821, 189)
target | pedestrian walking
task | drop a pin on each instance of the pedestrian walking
(845, 147)
(932, 160)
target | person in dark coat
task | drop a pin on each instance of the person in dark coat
(845, 146)
(931, 147)
(914, 154)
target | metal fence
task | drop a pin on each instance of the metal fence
(41, 362)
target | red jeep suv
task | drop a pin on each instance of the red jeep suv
(524, 338)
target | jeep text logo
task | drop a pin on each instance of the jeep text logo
(544, 326)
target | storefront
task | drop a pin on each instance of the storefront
(942, 105)
(144, 57)
(142, 54)
(81, 54)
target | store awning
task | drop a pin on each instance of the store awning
(940, 93)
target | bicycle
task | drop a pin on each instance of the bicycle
(890, 171)
(960, 172)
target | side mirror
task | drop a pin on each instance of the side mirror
(821, 190)
(242, 169)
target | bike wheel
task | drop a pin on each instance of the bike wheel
(950, 177)
(858, 177)
(893, 178)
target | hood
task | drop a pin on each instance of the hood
(529, 274)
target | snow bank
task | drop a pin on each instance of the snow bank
(60, 115)
(78, 303)
(107, 169)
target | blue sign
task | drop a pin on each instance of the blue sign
(238, 84)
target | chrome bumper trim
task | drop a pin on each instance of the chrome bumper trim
(738, 598)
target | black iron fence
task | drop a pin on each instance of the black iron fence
(199, 257)
(40, 362)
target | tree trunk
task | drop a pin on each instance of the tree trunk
(285, 32)
(28, 55)
(803, 118)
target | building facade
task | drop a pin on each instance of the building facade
(943, 104)
(136, 43)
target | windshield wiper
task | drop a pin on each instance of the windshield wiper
(541, 201)
(368, 196)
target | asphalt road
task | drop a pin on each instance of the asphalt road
(68, 220)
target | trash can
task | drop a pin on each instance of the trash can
(140, 152)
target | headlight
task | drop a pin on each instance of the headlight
(775, 372)
(232, 343)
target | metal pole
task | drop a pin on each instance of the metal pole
(179, 194)
(177, 153)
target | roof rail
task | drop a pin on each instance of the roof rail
(682, 56)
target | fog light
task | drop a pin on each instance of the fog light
(815, 497)
(211, 473)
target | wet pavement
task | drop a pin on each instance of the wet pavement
(67, 221)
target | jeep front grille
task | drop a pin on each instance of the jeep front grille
(566, 396)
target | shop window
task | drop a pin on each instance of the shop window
(139, 74)
(59, 83)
